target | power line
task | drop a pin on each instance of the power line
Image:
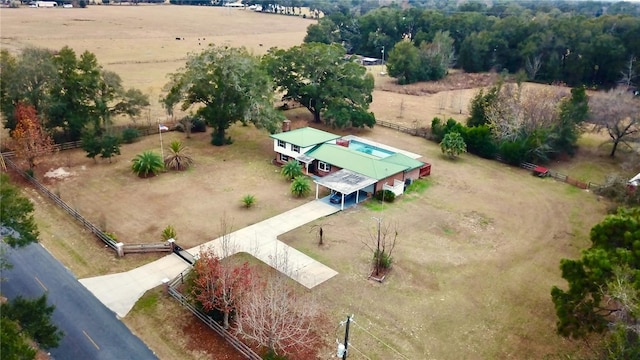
(360, 352)
(380, 341)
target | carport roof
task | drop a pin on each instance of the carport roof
(345, 181)
(305, 137)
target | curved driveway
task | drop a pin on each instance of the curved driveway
(120, 291)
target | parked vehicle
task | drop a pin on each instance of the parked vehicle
(336, 197)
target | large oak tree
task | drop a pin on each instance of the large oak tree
(224, 85)
(320, 78)
(26, 79)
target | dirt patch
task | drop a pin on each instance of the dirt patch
(58, 174)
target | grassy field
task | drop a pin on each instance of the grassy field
(479, 246)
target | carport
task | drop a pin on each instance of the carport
(345, 182)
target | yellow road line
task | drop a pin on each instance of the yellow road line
(90, 339)
(41, 284)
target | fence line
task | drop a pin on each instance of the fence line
(145, 248)
(241, 347)
(402, 128)
(56, 199)
(564, 178)
(525, 165)
(144, 131)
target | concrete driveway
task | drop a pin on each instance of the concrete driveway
(119, 292)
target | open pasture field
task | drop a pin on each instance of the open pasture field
(478, 250)
(139, 42)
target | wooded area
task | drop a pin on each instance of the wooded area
(576, 43)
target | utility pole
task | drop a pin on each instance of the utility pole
(346, 339)
(342, 349)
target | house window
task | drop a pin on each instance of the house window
(323, 166)
(295, 148)
(284, 158)
(282, 144)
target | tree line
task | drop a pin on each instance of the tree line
(49, 97)
(552, 44)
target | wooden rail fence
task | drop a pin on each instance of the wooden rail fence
(422, 132)
(241, 347)
(56, 199)
(564, 178)
(131, 248)
(145, 248)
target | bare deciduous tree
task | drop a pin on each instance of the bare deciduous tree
(617, 112)
(532, 66)
(279, 317)
(381, 243)
(628, 74)
(522, 110)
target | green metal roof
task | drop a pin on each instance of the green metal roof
(355, 161)
(404, 160)
(305, 137)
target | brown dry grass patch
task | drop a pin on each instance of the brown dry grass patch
(479, 250)
(478, 253)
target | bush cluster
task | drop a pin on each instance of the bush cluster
(617, 189)
(385, 195)
(130, 135)
(197, 124)
(385, 259)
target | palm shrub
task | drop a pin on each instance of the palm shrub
(300, 186)
(147, 164)
(248, 200)
(291, 170)
(169, 233)
(177, 159)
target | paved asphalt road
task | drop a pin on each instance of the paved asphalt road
(91, 331)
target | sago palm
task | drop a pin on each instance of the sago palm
(177, 159)
(147, 164)
(300, 187)
(291, 170)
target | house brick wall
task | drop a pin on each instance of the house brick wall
(413, 174)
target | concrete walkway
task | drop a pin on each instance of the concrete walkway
(119, 292)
